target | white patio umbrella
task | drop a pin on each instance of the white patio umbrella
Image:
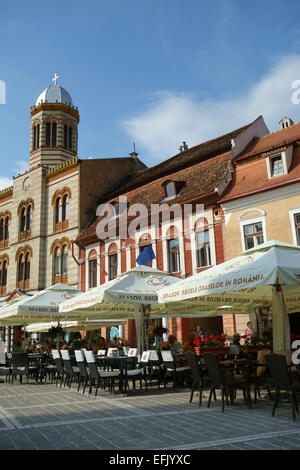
(81, 325)
(126, 296)
(39, 307)
(268, 275)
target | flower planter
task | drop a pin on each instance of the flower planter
(219, 350)
(253, 348)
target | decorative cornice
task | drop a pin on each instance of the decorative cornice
(55, 107)
(62, 166)
(6, 191)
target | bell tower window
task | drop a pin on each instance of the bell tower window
(54, 134)
(68, 137)
(36, 137)
(51, 134)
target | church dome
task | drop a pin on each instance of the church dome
(55, 94)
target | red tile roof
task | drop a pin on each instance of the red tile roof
(202, 168)
(270, 142)
(251, 167)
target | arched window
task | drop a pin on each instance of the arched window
(23, 259)
(29, 218)
(57, 262)
(93, 269)
(64, 260)
(65, 208)
(58, 214)
(3, 277)
(1, 230)
(174, 255)
(26, 220)
(203, 249)
(60, 201)
(23, 220)
(6, 229)
(21, 271)
(60, 264)
(27, 271)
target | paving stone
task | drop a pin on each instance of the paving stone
(36, 416)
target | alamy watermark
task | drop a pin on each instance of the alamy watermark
(119, 220)
(2, 92)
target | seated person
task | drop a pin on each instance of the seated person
(235, 347)
(175, 346)
(102, 343)
(200, 333)
(188, 344)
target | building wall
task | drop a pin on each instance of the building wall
(127, 251)
(275, 209)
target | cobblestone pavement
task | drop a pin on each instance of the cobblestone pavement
(40, 416)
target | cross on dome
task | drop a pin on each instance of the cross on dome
(56, 77)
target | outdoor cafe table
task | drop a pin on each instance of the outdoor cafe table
(121, 363)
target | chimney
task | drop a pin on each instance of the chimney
(183, 147)
(286, 122)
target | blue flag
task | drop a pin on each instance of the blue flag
(145, 256)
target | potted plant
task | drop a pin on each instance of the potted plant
(56, 334)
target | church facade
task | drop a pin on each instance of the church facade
(46, 207)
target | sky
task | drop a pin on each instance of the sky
(153, 72)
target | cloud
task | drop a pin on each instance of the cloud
(171, 118)
(20, 166)
(5, 182)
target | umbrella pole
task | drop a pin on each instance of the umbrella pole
(281, 325)
(139, 324)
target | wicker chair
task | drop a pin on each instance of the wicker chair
(20, 366)
(200, 379)
(227, 384)
(101, 378)
(282, 381)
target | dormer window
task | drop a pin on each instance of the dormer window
(276, 166)
(279, 163)
(173, 188)
(170, 189)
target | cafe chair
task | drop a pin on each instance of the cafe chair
(5, 368)
(137, 373)
(170, 370)
(99, 378)
(282, 381)
(59, 366)
(70, 370)
(21, 366)
(226, 382)
(83, 371)
(200, 379)
(154, 368)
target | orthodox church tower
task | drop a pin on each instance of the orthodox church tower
(54, 121)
